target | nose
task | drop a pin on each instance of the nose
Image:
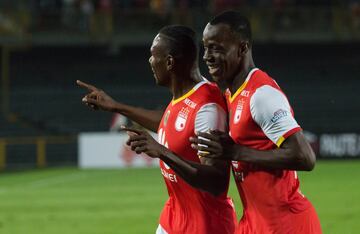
(150, 59)
(207, 56)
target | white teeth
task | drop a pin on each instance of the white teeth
(212, 69)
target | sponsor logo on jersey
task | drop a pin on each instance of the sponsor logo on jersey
(190, 103)
(278, 115)
(166, 117)
(245, 93)
(238, 111)
(180, 121)
(167, 174)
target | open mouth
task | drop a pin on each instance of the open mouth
(213, 68)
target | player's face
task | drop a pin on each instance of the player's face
(158, 61)
(221, 52)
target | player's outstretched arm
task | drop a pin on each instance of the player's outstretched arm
(295, 153)
(98, 99)
(210, 175)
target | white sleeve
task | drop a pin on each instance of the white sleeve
(210, 117)
(271, 111)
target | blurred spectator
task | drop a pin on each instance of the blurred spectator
(103, 20)
(124, 4)
(355, 15)
(222, 5)
(182, 14)
(86, 10)
(162, 8)
(68, 16)
(141, 3)
(282, 16)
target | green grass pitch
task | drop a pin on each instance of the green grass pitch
(73, 201)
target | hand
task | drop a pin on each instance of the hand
(142, 142)
(97, 98)
(216, 144)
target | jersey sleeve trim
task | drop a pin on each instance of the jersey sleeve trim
(286, 135)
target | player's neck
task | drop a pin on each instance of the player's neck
(181, 84)
(240, 78)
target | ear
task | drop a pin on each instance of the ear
(243, 48)
(170, 62)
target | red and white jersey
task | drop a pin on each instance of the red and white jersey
(260, 117)
(190, 210)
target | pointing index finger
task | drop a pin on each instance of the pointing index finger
(86, 86)
(124, 128)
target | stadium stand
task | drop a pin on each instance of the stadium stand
(52, 44)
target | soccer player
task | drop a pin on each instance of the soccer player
(197, 187)
(265, 143)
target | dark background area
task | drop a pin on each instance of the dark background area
(311, 48)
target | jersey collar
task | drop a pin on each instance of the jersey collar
(241, 88)
(198, 85)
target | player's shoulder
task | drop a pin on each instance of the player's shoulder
(209, 88)
(209, 92)
(261, 78)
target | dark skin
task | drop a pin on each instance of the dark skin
(210, 174)
(229, 59)
(98, 99)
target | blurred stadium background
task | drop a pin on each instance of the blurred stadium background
(312, 49)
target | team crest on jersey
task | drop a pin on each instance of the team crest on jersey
(238, 111)
(166, 117)
(180, 121)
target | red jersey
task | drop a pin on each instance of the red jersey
(260, 117)
(189, 210)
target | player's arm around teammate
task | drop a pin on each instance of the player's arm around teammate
(98, 99)
(295, 153)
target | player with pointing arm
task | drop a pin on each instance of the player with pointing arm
(197, 187)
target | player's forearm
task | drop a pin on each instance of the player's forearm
(149, 119)
(281, 158)
(204, 177)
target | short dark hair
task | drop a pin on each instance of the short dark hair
(182, 42)
(237, 22)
